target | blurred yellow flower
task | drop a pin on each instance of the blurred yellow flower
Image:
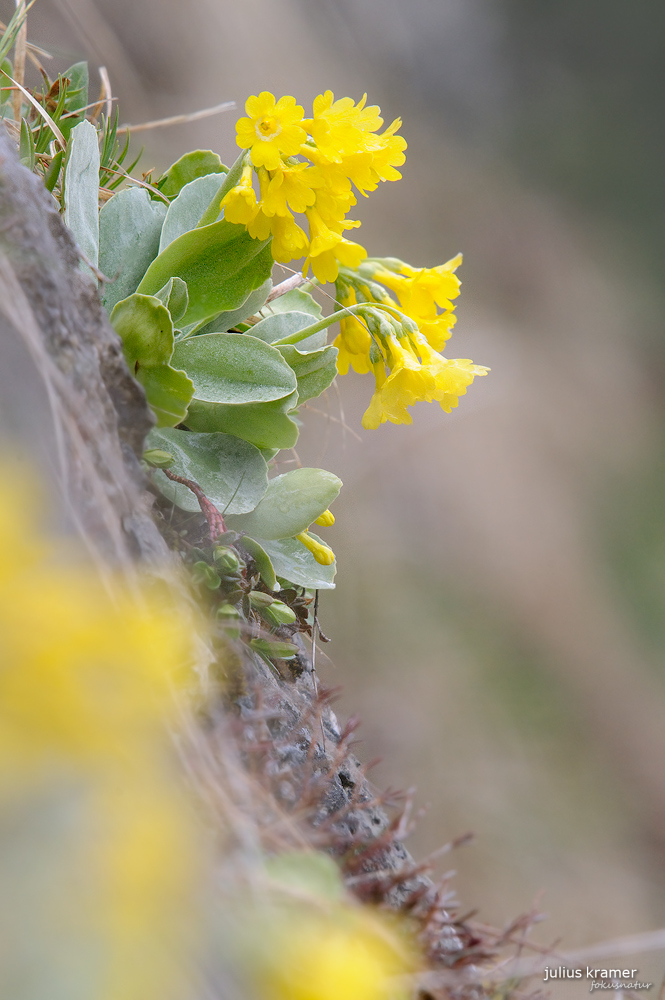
(89, 789)
(323, 554)
(338, 953)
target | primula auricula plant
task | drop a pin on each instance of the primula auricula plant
(184, 265)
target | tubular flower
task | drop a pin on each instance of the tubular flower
(240, 204)
(272, 129)
(321, 552)
(354, 341)
(434, 378)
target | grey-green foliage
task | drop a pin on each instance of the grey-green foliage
(185, 211)
(231, 472)
(82, 189)
(130, 224)
(291, 503)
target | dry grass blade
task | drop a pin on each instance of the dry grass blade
(19, 59)
(193, 116)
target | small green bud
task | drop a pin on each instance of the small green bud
(278, 614)
(226, 559)
(202, 572)
(274, 650)
(157, 458)
(227, 611)
(259, 600)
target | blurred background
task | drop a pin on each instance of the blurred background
(499, 621)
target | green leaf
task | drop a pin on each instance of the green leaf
(231, 472)
(76, 96)
(77, 91)
(293, 562)
(82, 190)
(265, 425)
(226, 320)
(297, 300)
(221, 264)
(233, 368)
(198, 163)
(53, 172)
(26, 149)
(146, 330)
(315, 370)
(310, 872)
(174, 296)
(6, 69)
(129, 228)
(291, 503)
(186, 210)
(283, 324)
(262, 560)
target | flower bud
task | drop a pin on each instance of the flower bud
(226, 559)
(326, 519)
(323, 555)
(203, 573)
(157, 458)
(274, 650)
(278, 614)
(259, 600)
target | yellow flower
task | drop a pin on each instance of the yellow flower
(344, 955)
(421, 289)
(272, 130)
(322, 553)
(341, 128)
(354, 341)
(328, 247)
(240, 204)
(290, 187)
(326, 519)
(288, 239)
(451, 377)
(408, 383)
(91, 806)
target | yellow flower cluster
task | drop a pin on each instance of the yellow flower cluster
(90, 807)
(404, 337)
(339, 147)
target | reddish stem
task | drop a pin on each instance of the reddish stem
(215, 520)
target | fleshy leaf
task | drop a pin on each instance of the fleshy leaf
(262, 560)
(82, 190)
(174, 296)
(144, 324)
(198, 163)
(186, 210)
(266, 425)
(297, 300)
(283, 324)
(226, 320)
(291, 503)
(293, 562)
(233, 368)
(231, 472)
(315, 370)
(220, 263)
(129, 228)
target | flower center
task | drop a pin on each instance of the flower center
(268, 127)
